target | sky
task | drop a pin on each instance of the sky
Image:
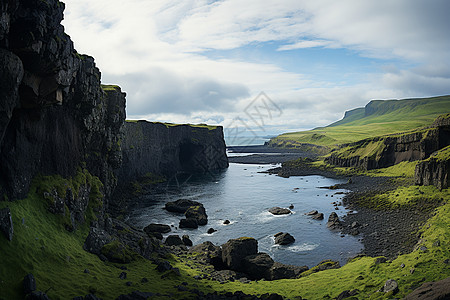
(268, 66)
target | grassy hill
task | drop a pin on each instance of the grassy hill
(378, 117)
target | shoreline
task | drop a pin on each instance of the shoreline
(383, 232)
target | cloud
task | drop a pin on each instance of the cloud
(160, 91)
(305, 44)
(157, 51)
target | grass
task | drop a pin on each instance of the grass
(42, 246)
(386, 117)
(110, 87)
(210, 127)
(441, 155)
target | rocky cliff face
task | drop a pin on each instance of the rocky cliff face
(169, 149)
(54, 114)
(390, 150)
(433, 172)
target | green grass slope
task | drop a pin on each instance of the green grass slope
(377, 118)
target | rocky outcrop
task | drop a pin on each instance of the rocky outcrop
(334, 222)
(169, 149)
(54, 114)
(431, 291)
(235, 250)
(385, 151)
(279, 211)
(284, 238)
(433, 171)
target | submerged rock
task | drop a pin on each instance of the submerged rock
(280, 211)
(284, 239)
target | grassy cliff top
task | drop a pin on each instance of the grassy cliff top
(378, 117)
(210, 127)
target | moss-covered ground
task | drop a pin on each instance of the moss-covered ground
(393, 116)
(42, 246)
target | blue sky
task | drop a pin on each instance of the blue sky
(199, 61)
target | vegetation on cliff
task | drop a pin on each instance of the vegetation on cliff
(377, 118)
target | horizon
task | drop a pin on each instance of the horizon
(207, 61)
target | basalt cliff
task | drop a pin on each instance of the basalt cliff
(56, 117)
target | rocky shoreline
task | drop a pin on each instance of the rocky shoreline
(384, 232)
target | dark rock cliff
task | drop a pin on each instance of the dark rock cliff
(54, 114)
(433, 172)
(391, 150)
(166, 149)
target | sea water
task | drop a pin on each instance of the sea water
(243, 195)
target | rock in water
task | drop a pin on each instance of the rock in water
(318, 216)
(173, 240)
(312, 213)
(235, 250)
(198, 213)
(279, 211)
(284, 239)
(6, 224)
(186, 240)
(333, 221)
(211, 231)
(188, 223)
(181, 205)
(161, 228)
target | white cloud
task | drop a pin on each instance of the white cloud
(156, 51)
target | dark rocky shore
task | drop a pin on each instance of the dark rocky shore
(384, 232)
(263, 154)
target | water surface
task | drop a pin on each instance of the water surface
(243, 195)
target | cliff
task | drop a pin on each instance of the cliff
(167, 149)
(54, 115)
(385, 151)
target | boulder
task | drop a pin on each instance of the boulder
(188, 223)
(257, 266)
(318, 216)
(312, 213)
(282, 271)
(198, 213)
(181, 205)
(431, 291)
(333, 221)
(211, 230)
(161, 228)
(95, 241)
(226, 222)
(173, 240)
(6, 224)
(390, 286)
(235, 250)
(279, 211)
(210, 253)
(284, 239)
(186, 240)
